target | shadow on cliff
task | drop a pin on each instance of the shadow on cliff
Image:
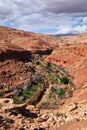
(24, 56)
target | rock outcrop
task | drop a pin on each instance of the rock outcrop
(11, 51)
(13, 67)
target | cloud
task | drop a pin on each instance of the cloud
(66, 6)
(54, 16)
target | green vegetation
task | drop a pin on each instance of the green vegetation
(53, 78)
(16, 100)
(64, 80)
(26, 94)
(61, 93)
(31, 91)
(58, 78)
(57, 75)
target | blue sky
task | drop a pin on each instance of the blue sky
(45, 16)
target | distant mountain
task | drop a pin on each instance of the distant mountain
(59, 35)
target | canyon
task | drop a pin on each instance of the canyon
(43, 81)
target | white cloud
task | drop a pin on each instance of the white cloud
(54, 16)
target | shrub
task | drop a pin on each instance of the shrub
(64, 80)
(16, 100)
(61, 93)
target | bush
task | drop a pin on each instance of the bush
(64, 80)
(61, 93)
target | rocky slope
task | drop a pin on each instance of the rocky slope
(35, 42)
(74, 59)
(13, 68)
(43, 81)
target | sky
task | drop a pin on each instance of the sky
(45, 16)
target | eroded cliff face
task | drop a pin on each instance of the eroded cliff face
(9, 52)
(13, 67)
